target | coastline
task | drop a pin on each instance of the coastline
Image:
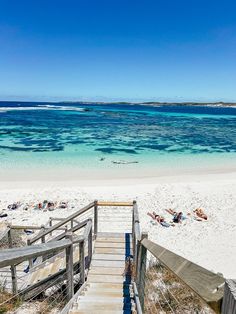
(104, 172)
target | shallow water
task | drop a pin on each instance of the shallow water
(88, 135)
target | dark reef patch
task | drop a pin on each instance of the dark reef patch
(155, 146)
(110, 150)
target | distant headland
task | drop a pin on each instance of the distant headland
(143, 103)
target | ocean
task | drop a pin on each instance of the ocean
(88, 136)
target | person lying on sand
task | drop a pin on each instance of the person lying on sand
(200, 213)
(177, 217)
(13, 206)
(63, 204)
(159, 219)
(51, 206)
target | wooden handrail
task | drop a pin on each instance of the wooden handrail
(60, 219)
(61, 223)
(16, 227)
(136, 222)
(18, 255)
(101, 203)
(75, 228)
(207, 285)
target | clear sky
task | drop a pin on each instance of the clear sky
(110, 50)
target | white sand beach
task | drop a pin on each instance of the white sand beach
(210, 243)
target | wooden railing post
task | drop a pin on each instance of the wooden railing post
(43, 236)
(229, 298)
(69, 268)
(141, 269)
(13, 267)
(95, 218)
(50, 224)
(90, 246)
(43, 240)
(82, 262)
(133, 220)
(133, 231)
(30, 260)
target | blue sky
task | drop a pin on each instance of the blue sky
(118, 50)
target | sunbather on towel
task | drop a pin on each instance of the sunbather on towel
(200, 213)
(159, 219)
(178, 217)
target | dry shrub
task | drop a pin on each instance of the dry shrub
(165, 293)
(16, 240)
(10, 305)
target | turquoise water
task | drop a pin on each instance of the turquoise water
(42, 135)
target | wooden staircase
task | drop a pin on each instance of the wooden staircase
(108, 288)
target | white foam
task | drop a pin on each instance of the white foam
(42, 107)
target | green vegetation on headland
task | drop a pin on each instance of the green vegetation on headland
(155, 103)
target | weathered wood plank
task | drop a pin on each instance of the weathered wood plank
(100, 263)
(104, 250)
(95, 226)
(101, 203)
(22, 227)
(207, 285)
(94, 307)
(229, 300)
(117, 245)
(13, 267)
(82, 261)
(18, 255)
(105, 278)
(108, 294)
(84, 311)
(104, 285)
(69, 268)
(111, 235)
(109, 257)
(114, 240)
(106, 270)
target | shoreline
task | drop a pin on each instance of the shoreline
(123, 174)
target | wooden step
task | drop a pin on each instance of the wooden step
(104, 293)
(111, 234)
(93, 307)
(103, 299)
(114, 240)
(96, 311)
(120, 292)
(99, 244)
(105, 278)
(107, 270)
(100, 263)
(109, 257)
(104, 285)
(104, 250)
